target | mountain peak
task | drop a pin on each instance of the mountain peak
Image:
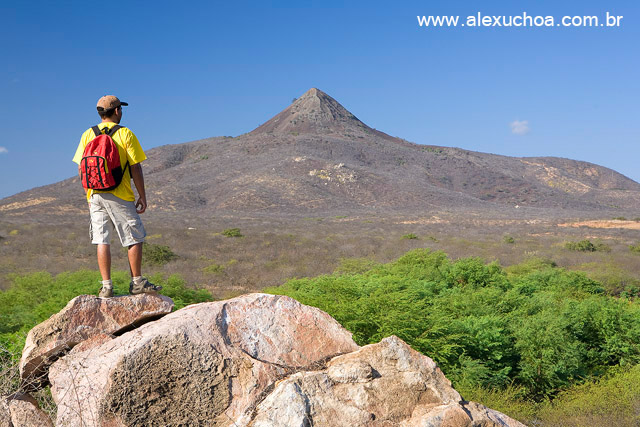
(314, 112)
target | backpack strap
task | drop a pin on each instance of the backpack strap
(126, 165)
(113, 130)
(110, 132)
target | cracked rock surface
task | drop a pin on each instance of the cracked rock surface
(384, 384)
(257, 360)
(206, 364)
(84, 317)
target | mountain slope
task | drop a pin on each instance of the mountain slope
(317, 157)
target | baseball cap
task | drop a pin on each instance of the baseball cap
(109, 102)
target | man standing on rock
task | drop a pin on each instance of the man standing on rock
(117, 209)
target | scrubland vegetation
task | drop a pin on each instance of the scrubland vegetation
(272, 251)
(535, 341)
(552, 339)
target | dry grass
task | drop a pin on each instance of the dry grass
(612, 401)
(613, 223)
(271, 251)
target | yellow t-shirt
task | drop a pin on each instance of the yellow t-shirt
(129, 149)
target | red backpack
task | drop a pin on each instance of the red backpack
(100, 167)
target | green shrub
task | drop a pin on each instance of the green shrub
(530, 265)
(583, 246)
(611, 275)
(620, 218)
(602, 247)
(630, 292)
(587, 246)
(508, 239)
(635, 248)
(213, 269)
(536, 327)
(33, 298)
(153, 254)
(410, 236)
(232, 232)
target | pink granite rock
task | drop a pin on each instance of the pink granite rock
(21, 410)
(206, 364)
(384, 384)
(257, 360)
(84, 317)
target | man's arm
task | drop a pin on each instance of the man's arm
(138, 180)
(80, 176)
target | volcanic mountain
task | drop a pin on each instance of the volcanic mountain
(316, 158)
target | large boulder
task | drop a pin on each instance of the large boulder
(384, 384)
(206, 364)
(84, 317)
(21, 410)
(257, 360)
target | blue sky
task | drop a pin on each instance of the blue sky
(192, 70)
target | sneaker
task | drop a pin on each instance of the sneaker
(144, 287)
(105, 292)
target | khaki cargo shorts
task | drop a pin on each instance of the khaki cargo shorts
(109, 213)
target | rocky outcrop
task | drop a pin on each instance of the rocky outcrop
(21, 410)
(384, 384)
(256, 360)
(84, 317)
(209, 363)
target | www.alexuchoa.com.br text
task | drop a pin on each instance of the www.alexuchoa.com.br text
(523, 20)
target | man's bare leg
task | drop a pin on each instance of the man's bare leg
(134, 254)
(104, 261)
(138, 283)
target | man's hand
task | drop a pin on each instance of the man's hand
(141, 205)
